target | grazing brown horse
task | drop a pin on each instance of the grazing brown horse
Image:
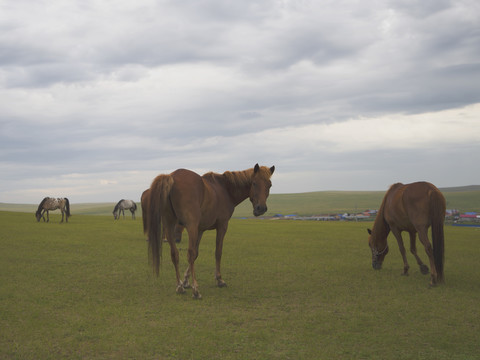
(49, 203)
(200, 203)
(413, 208)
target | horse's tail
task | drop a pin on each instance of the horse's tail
(145, 203)
(437, 211)
(159, 199)
(67, 207)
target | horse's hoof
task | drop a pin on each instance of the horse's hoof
(180, 289)
(196, 296)
(221, 284)
(424, 269)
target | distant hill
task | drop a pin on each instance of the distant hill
(461, 188)
(339, 202)
(464, 198)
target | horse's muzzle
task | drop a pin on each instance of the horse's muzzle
(259, 210)
(376, 265)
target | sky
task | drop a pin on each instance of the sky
(97, 97)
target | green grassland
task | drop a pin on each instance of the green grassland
(314, 203)
(296, 290)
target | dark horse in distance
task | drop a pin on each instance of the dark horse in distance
(121, 206)
(49, 203)
(199, 203)
(412, 208)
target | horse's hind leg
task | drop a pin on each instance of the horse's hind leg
(186, 276)
(423, 236)
(413, 249)
(63, 215)
(48, 216)
(175, 258)
(398, 236)
(218, 255)
(194, 237)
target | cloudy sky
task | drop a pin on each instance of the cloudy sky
(97, 97)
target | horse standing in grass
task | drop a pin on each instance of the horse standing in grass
(199, 203)
(121, 206)
(49, 203)
(413, 208)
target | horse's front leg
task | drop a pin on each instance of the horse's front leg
(221, 231)
(413, 249)
(48, 216)
(398, 236)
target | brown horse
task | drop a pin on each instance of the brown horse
(412, 208)
(200, 203)
(49, 203)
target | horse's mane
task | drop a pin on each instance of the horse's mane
(40, 206)
(237, 181)
(118, 204)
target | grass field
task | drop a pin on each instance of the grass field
(313, 203)
(296, 290)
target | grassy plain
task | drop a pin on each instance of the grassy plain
(312, 203)
(296, 290)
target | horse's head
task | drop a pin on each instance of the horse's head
(114, 214)
(377, 255)
(38, 216)
(260, 188)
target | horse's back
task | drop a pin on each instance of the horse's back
(199, 198)
(187, 181)
(411, 204)
(187, 192)
(420, 190)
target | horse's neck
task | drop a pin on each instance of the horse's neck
(380, 229)
(236, 183)
(239, 196)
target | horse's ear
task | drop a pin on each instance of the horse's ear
(272, 169)
(256, 168)
(369, 231)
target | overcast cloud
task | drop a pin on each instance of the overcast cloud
(98, 97)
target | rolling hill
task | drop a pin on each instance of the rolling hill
(466, 198)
